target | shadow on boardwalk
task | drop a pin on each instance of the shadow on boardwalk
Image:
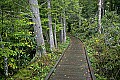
(73, 65)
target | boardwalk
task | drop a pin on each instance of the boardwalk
(73, 65)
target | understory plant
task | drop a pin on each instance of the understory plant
(103, 49)
(41, 66)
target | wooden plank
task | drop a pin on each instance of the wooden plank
(73, 65)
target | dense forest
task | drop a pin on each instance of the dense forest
(33, 34)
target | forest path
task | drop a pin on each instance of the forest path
(73, 65)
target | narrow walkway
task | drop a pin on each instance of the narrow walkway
(73, 65)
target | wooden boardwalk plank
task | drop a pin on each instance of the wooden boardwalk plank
(73, 65)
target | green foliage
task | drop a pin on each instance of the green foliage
(18, 44)
(16, 38)
(41, 66)
(103, 49)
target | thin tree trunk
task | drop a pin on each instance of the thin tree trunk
(6, 66)
(37, 27)
(61, 31)
(79, 20)
(55, 38)
(79, 15)
(50, 27)
(99, 16)
(61, 36)
(103, 9)
(5, 60)
(64, 24)
(64, 28)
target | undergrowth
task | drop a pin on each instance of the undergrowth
(39, 69)
(103, 49)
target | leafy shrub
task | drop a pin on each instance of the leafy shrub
(103, 49)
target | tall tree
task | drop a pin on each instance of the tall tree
(99, 15)
(37, 27)
(61, 31)
(2, 46)
(64, 24)
(50, 26)
(55, 36)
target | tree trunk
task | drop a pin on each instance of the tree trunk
(79, 20)
(103, 9)
(61, 31)
(5, 60)
(64, 28)
(37, 27)
(2, 46)
(99, 16)
(79, 14)
(50, 27)
(55, 34)
(64, 24)
(6, 66)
